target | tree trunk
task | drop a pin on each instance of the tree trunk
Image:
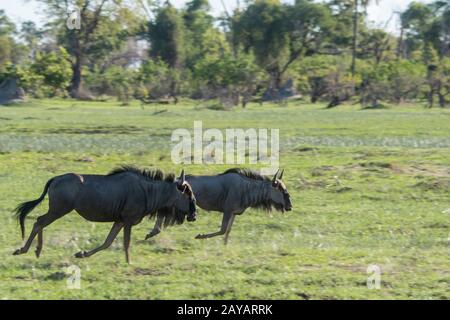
(355, 34)
(400, 44)
(75, 84)
(173, 91)
(277, 81)
(431, 96)
(76, 79)
(441, 97)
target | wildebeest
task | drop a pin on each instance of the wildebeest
(124, 197)
(232, 192)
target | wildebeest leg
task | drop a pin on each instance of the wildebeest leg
(117, 226)
(157, 228)
(40, 224)
(225, 221)
(39, 244)
(126, 241)
(230, 224)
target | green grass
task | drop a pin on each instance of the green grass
(368, 187)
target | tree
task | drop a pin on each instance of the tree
(280, 34)
(376, 44)
(197, 22)
(31, 35)
(105, 25)
(159, 80)
(166, 36)
(7, 29)
(427, 27)
(325, 77)
(231, 78)
(55, 69)
(356, 5)
(262, 29)
(406, 79)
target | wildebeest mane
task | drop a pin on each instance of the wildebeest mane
(156, 174)
(170, 177)
(248, 173)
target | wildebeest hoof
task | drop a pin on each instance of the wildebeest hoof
(17, 252)
(200, 236)
(152, 234)
(81, 254)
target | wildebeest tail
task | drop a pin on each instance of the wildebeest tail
(25, 208)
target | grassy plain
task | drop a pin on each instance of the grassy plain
(368, 187)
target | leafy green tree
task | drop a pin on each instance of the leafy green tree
(262, 29)
(406, 79)
(375, 83)
(7, 29)
(415, 21)
(376, 44)
(357, 4)
(32, 36)
(232, 79)
(342, 13)
(427, 30)
(166, 36)
(157, 80)
(325, 77)
(197, 22)
(55, 69)
(105, 25)
(280, 34)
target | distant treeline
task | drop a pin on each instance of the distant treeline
(263, 50)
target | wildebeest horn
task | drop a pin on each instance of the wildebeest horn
(275, 176)
(281, 174)
(182, 177)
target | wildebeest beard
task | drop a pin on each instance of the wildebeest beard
(172, 216)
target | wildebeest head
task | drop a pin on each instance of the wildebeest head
(279, 194)
(186, 191)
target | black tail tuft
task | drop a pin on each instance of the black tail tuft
(22, 211)
(25, 208)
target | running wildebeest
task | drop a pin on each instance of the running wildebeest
(124, 197)
(231, 193)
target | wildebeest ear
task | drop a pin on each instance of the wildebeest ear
(281, 174)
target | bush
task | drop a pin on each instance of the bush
(229, 78)
(393, 81)
(115, 81)
(326, 78)
(55, 69)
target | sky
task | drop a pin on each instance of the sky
(380, 15)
